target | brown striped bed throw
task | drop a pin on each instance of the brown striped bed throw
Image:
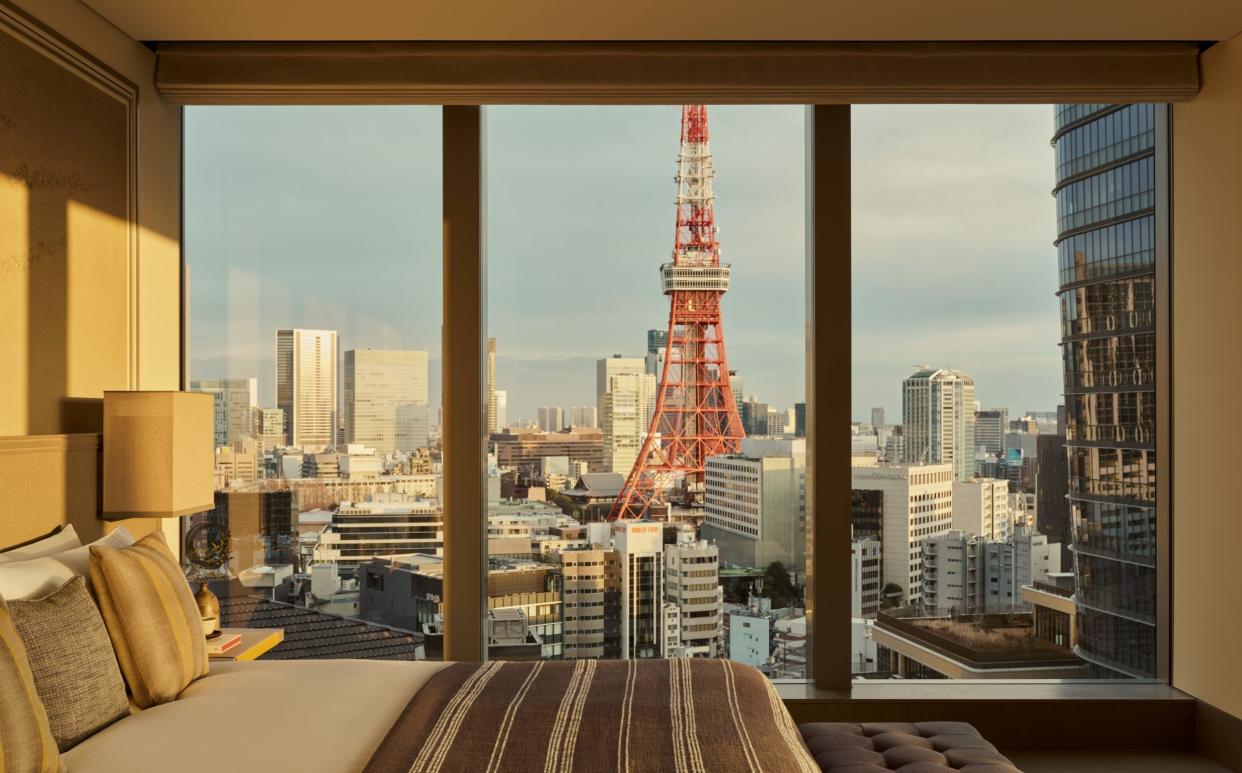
(635, 716)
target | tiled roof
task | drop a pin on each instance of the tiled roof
(311, 635)
(598, 484)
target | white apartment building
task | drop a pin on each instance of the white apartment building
(755, 503)
(386, 399)
(966, 573)
(918, 503)
(306, 375)
(938, 419)
(692, 586)
(625, 413)
(232, 402)
(981, 506)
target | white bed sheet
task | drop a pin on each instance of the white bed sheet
(310, 716)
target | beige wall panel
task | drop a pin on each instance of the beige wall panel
(90, 265)
(1206, 328)
(65, 152)
(157, 337)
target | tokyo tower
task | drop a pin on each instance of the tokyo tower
(695, 414)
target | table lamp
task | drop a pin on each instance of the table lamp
(158, 461)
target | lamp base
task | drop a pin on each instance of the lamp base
(208, 607)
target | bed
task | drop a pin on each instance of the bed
(340, 716)
(332, 716)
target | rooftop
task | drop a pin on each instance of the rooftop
(986, 641)
(311, 635)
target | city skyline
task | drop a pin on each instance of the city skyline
(1008, 340)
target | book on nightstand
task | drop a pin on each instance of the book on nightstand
(222, 644)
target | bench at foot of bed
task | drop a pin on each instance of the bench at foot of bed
(912, 747)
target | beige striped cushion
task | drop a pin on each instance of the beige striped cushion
(151, 618)
(26, 742)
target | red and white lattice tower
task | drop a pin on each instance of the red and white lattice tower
(695, 414)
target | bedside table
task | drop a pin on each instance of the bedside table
(254, 642)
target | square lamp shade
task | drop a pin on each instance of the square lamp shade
(158, 454)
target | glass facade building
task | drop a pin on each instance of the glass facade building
(1107, 157)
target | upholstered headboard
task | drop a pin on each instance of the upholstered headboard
(53, 480)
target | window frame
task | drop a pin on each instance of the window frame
(828, 308)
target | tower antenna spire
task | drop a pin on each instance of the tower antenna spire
(695, 412)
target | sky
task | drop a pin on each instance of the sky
(329, 217)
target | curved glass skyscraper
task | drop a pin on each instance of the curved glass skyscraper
(1107, 158)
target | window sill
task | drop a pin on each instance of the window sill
(1013, 715)
(945, 690)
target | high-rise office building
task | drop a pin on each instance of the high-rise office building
(624, 417)
(799, 419)
(1110, 162)
(493, 409)
(755, 417)
(877, 418)
(550, 418)
(502, 409)
(585, 417)
(938, 419)
(1052, 511)
(232, 402)
(657, 342)
(917, 504)
(736, 384)
(306, 374)
(990, 428)
(625, 395)
(386, 399)
(269, 428)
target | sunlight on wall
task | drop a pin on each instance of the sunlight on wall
(14, 285)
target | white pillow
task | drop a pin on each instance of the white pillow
(65, 539)
(39, 577)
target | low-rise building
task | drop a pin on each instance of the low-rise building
(387, 525)
(911, 646)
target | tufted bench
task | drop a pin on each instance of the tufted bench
(910, 747)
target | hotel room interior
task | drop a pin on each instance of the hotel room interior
(149, 621)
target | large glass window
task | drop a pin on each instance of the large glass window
(1004, 491)
(312, 252)
(648, 493)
